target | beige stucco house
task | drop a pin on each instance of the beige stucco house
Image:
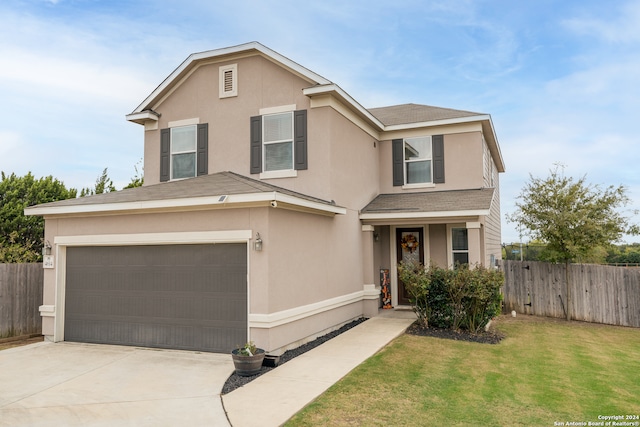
(272, 203)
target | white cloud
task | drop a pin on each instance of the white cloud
(622, 28)
(70, 78)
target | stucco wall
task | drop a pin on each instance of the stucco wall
(311, 258)
(381, 252)
(463, 160)
(354, 163)
(261, 84)
(438, 244)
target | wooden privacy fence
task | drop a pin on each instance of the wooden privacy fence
(599, 293)
(20, 299)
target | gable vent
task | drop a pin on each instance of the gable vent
(228, 81)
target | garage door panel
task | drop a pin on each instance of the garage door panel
(170, 308)
(226, 278)
(145, 334)
(158, 296)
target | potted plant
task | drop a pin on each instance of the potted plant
(247, 359)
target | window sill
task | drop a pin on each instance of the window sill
(421, 185)
(180, 179)
(279, 174)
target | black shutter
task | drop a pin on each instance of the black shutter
(398, 161)
(300, 139)
(202, 160)
(256, 144)
(165, 153)
(437, 150)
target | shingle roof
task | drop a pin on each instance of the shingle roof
(434, 201)
(416, 113)
(217, 184)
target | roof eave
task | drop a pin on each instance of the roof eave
(442, 122)
(376, 216)
(143, 117)
(494, 146)
(272, 199)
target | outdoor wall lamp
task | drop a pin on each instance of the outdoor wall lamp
(257, 245)
(46, 249)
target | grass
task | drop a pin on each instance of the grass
(544, 372)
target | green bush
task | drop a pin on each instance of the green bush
(461, 298)
(441, 309)
(482, 298)
(417, 281)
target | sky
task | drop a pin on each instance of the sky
(560, 79)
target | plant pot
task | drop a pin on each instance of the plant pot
(247, 366)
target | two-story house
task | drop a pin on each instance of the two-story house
(272, 202)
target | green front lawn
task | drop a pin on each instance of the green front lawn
(544, 373)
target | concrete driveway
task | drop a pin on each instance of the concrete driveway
(72, 384)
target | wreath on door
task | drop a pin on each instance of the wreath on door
(409, 243)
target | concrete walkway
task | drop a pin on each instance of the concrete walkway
(276, 396)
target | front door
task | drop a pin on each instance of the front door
(410, 247)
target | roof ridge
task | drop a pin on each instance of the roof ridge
(423, 105)
(244, 179)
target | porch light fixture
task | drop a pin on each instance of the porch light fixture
(46, 249)
(257, 245)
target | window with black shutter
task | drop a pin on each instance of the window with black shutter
(418, 160)
(184, 152)
(278, 142)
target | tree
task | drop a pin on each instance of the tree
(104, 184)
(624, 254)
(21, 236)
(138, 178)
(572, 217)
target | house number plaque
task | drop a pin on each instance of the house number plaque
(47, 261)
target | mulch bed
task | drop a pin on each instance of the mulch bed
(236, 381)
(489, 337)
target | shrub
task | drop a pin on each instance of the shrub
(482, 298)
(462, 298)
(441, 309)
(417, 282)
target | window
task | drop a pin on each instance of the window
(460, 246)
(183, 150)
(417, 160)
(277, 142)
(228, 80)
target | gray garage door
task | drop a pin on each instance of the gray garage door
(191, 297)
